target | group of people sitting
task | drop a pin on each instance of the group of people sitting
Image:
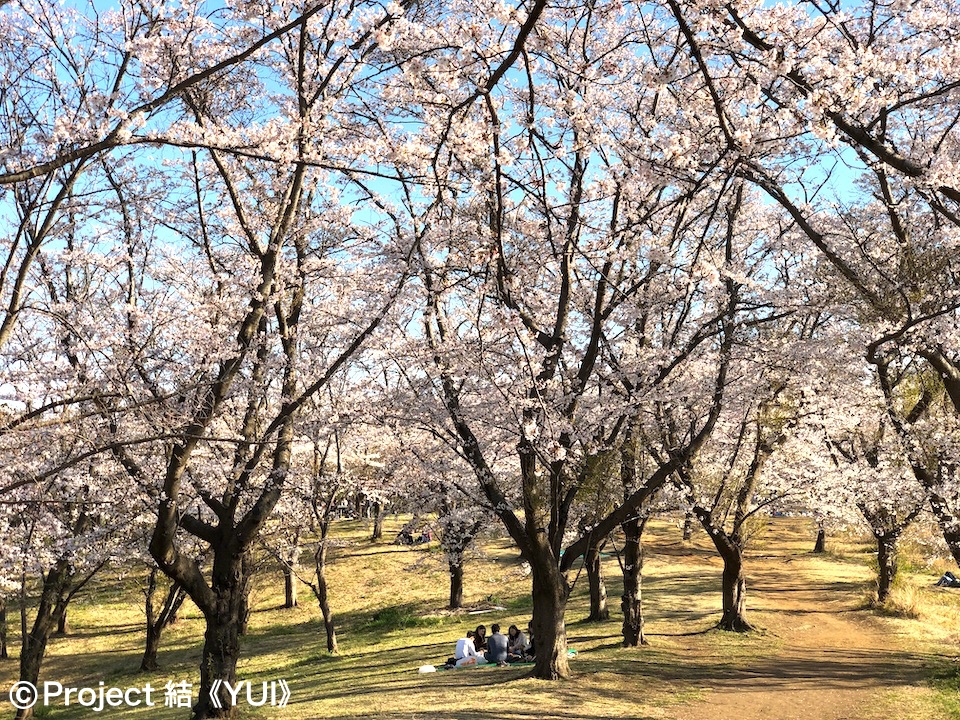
(479, 649)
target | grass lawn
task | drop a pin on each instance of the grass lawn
(817, 641)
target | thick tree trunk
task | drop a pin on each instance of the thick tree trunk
(225, 620)
(289, 585)
(221, 651)
(323, 600)
(820, 546)
(456, 585)
(550, 595)
(733, 584)
(598, 589)
(887, 562)
(631, 602)
(151, 649)
(734, 594)
(3, 629)
(688, 525)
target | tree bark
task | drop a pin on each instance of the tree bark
(289, 585)
(3, 629)
(63, 628)
(631, 563)
(598, 589)
(631, 602)
(379, 511)
(157, 622)
(820, 546)
(224, 624)
(321, 592)
(550, 596)
(456, 585)
(688, 525)
(887, 562)
(48, 617)
(148, 662)
(734, 594)
(733, 583)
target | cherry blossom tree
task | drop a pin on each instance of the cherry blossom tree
(574, 252)
(844, 117)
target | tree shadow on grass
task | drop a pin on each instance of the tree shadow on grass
(795, 669)
(502, 714)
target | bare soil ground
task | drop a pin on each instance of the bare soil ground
(830, 659)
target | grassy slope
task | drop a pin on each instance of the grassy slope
(388, 601)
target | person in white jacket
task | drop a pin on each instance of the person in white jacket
(466, 653)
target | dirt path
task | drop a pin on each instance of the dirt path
(832, 661)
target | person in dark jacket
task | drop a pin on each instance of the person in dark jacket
(480, 638)
(496, 646)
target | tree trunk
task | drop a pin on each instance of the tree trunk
(48, 617)
(688, 526)
(550, 595)
(221, 650)
(631, 602)
(887, 562)
(225, 619)
(148, 662)
(456, 585)
(820, 546)
(379, 512)
(289, 585)
(734, 586)
(3, 629)
(321, 591)
(949, 523)
(157, 622)
(151, 649)
(598, 590)
(734, 593)
(247, 573)
(63, 627)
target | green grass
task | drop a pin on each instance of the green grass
(946, 682)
